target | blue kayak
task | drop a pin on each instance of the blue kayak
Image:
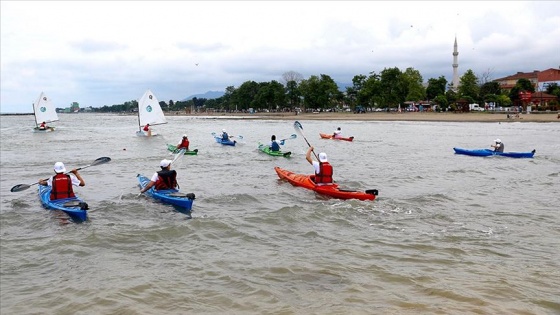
(75, 207)
(170, 196)
(488, 152)
(225, 142)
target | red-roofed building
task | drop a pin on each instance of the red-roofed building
(507, 83)
(539, 79)
(547, 77)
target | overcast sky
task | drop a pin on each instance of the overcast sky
(108, 52)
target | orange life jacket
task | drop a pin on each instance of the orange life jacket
(325, 176)
(61, 187)
(166, 180)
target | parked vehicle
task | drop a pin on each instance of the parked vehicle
(476, 107)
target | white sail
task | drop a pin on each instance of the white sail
(44, 110)
(149, 111)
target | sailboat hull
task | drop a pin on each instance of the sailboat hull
(141, 133)
(37, 130)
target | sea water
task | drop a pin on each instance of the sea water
(448, 234)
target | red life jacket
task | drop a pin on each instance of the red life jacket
(61, 187)
(166, 180)
(184, 144)
(146, 128)
(325, 176)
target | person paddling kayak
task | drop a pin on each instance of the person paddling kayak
(323, 169)
(499, 146)
(337, 133)
(62, 183)
(275, 145)
(164, 179)
(184, 143)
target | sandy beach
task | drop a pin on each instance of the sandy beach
(393, 116)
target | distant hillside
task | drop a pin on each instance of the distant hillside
(207, 95)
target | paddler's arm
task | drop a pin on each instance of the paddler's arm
(78, 176)
(308, 155)
(150, 184)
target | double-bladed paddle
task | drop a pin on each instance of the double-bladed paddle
(99, 161)
(299, 129)
(180, 153)
(293, 136)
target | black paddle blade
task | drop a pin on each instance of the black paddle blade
(20, 187)
(297, 125)
(372, 192)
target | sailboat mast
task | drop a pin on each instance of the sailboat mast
(35, 114)
(139, 126)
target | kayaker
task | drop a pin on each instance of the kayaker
(337, 133)
(62, 183)
(184, 143)
(499, 146)
(275, 145)
(148, 130)
(164, 179)
(323, 169)
(225, 135)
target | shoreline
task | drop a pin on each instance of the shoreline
(379, 116)
(369, 116)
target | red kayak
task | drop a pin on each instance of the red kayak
(331, 190)
(329, 136)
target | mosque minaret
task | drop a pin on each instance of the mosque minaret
(455, 66)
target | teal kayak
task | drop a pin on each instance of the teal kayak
(173, 148)
(266, 149)
(182, 201)
(74, 207)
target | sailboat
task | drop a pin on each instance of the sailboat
(149, 112)
(44, 111)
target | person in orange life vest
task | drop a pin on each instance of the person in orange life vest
(62, 183)
(184, 143)
(164, 179)
(323, 169)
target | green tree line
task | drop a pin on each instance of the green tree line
(387, 89)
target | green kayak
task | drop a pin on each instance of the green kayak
(266, 149)
(173, 148)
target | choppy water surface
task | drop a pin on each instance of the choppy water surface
(448, 234)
